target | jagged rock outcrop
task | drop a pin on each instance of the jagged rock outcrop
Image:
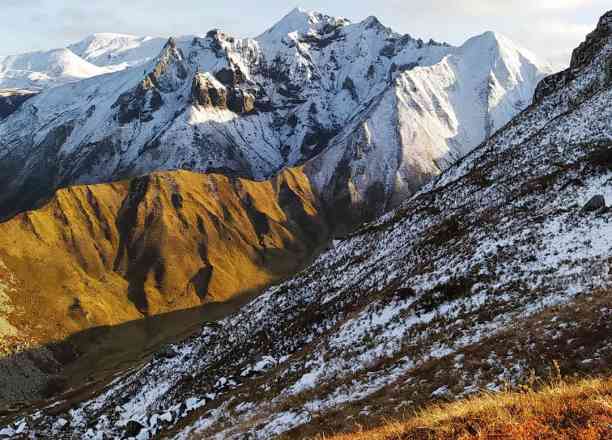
(208, 92)
(595, 42)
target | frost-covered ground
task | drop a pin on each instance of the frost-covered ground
(490, 272)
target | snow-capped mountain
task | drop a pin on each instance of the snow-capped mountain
(496, 268)
(389, 111)
(117, 51)
(96, 55)
(42, 70)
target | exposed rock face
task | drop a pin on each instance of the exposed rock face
(230, 77)
(241, 101)
(167, 76)
(596, 42)
(11, 100)
(207, 92)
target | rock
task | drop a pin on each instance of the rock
(594, 43)
(581, 57)
(167, 352)
(207, 94)
(133, 428)
(350, 86)
(230, 77)
(11, 100)
(405, 293)
(240, 101)
(595, 204)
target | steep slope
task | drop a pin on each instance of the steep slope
(429, 117)
(41, 70)
(111, 253)
(498, 267)
(11, 99)
(560, 410)
(251, 107)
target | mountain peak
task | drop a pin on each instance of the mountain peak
(500, 46)
(490, 40)
(110, 36)
(303, 22)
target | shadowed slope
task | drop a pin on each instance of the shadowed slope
(106, 254)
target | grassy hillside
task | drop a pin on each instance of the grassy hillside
(102, 255)
(560, 410)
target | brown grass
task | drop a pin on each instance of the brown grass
(559, 410)
(115, 253)
(187, 238)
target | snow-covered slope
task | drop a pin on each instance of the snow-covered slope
(117, 51)
(42, 70)
(498, 267)
(389, 110)
(95, 55)
(427, 118)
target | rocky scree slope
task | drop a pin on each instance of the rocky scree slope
(389, 111)
(498, 267)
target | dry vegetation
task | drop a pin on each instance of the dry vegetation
(110, 254)
(557, 410)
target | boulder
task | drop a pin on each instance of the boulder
(133, 428)
(595, 204)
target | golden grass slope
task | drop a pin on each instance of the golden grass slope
(558, 411)
(110, 253)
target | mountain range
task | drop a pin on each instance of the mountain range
(372, 113)
(358, 116)
(485, 255)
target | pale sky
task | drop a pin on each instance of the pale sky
(550, 28)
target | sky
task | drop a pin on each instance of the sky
(550, 28)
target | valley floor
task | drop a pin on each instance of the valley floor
(557, 410)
